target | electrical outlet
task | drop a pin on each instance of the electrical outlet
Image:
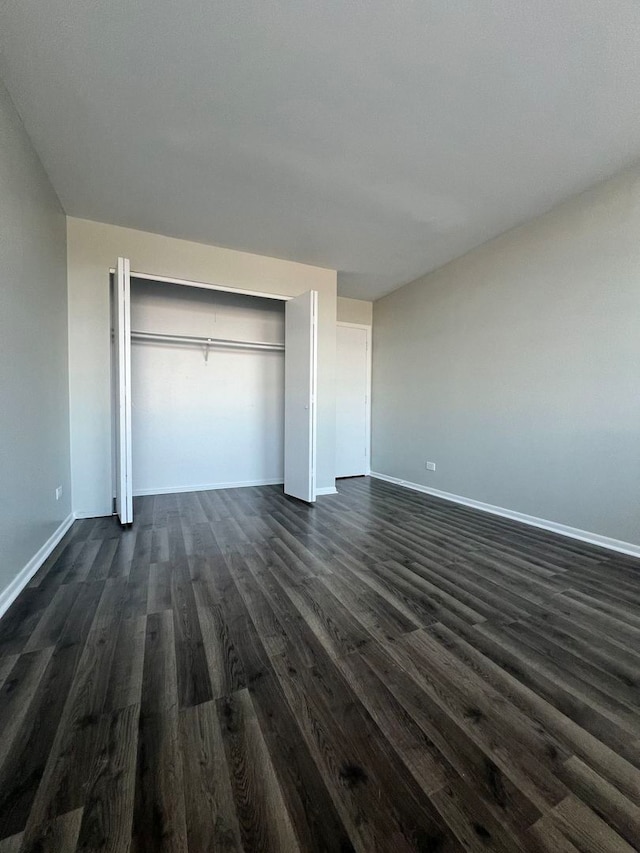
(58, 493)
(430, 466)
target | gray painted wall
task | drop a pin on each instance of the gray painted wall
(355, 311)
(34, 373)
(516, 368)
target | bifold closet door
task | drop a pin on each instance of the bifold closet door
(300, 379)
(122, 390)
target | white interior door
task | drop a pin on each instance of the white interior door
(352, 405)
(122, 345)
(300, 379)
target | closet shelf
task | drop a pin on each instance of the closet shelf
(208, 342)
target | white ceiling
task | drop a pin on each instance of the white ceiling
(381, 138)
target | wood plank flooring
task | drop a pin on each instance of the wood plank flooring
(383, 671)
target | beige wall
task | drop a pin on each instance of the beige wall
(355, 311)
(34, 379)
(92, 249)
(516, 369)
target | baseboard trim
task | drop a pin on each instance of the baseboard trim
(15, 587)
(205, 487)
(327, 490)
(553, 526)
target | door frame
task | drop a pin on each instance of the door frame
(369, 331)
(187, 283)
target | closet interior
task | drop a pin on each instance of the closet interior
(207, 385)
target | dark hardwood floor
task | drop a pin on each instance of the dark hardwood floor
(381, 672)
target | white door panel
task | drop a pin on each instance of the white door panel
(300, 379)
(352, 380)
(122, 381)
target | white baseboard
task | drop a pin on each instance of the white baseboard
(531, 520)
(11, 592)
(204, 487)
(327, 490)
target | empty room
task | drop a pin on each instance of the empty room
(319, 426)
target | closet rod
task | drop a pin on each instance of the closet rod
(195, 339)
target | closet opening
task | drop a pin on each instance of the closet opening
(212, 389)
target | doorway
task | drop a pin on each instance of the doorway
(353, 399)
